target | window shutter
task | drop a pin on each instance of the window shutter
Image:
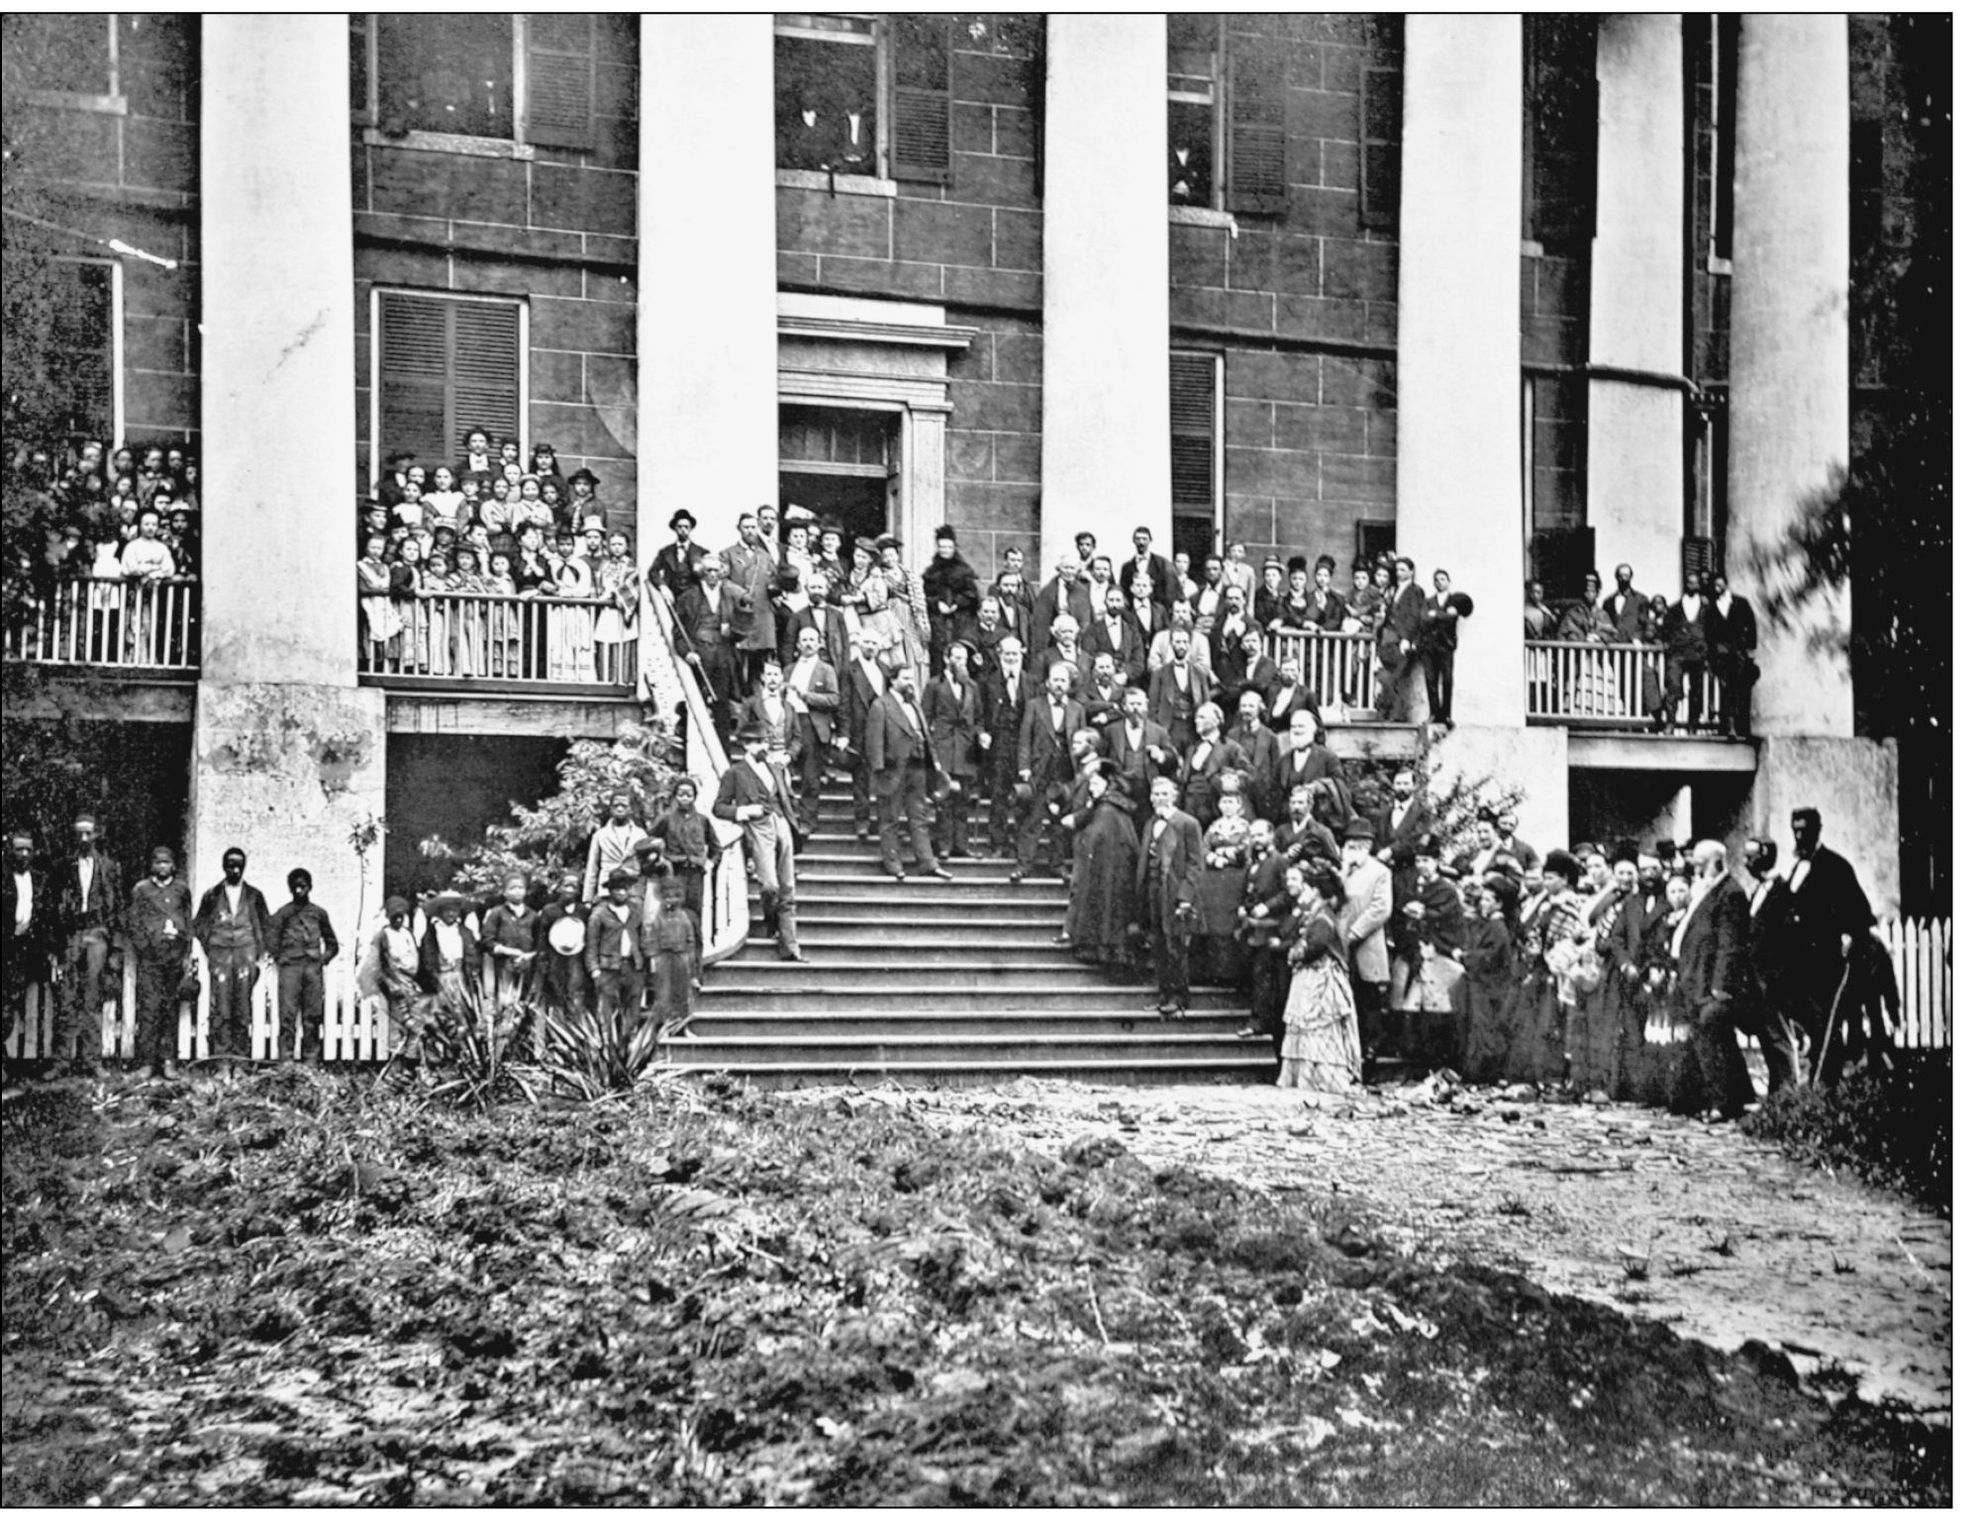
(1378, 148)
(921, 95)
(561, 80)
(1194, 431)
(82, 371)
(1258, 168)
(411, 377)
(444, 366)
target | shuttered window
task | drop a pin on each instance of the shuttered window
(1258, 142)
(1195, 386)
(561, 72)
(1378, 148)
(445, 364)
(921, 101)
(82, 370)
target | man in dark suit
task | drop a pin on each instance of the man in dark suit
(89, 913)
(1178, 688)
(1259, 750)
(1005, 691)
(234, 927)
(1625, 606)
(819, 614)
(1826, 914)
(1171, 860)
(1141, 748)
(1157, 567)
(1711, 958)
(1684, 633)
(1770, 967)
(1113, 632)
(1265, 908)
(1104, 699)
(953, 712)
(1043, 761)
(1066, 595)
(1247, 668)
(676, 565)
(755, 795)
(706, 630)
(1731, 635)
(1304, 760)
(811, 684)
(29, 915)
(862, 685)
(1399, 639)
(905, 774)
(1440, 635)
(1404, 820)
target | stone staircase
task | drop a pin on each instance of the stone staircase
(944, 982)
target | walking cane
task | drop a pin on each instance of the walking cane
(1831, 1020)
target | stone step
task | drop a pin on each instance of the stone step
(932, 1024)
(856, 858)
(893, 944)
(905, 991)
(1027, 921)
(973, 973)
(1055, 1051)
(918, 890)
(933, 1074)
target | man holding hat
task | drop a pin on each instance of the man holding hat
(234, 927)
(755, 795)
(303, 942)
(161, 938)
(1367, 909)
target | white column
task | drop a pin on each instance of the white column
(278, 339)
(1635, 480)
(1106, 409)
(1460, 340)
(1789, 385)
(288, 753)
(706, 273)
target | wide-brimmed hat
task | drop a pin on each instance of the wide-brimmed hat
(1359, 827)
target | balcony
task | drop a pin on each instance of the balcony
(486, 644)
(1609, 687)
(143, 628)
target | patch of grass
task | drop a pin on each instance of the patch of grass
(1892, 1130)
(343, 1293)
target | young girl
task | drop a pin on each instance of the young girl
(572, 629)
(615, 581)
(503, 620)
(380, 618)
(443, 501)
(688, 842)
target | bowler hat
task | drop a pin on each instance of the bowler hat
(584, 474)
(621, 877)
(755, 732)
(1358, 827)
(683, 515)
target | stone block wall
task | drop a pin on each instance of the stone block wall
(1304, 306)
(973, 245)
(554, 226)
(132, 174)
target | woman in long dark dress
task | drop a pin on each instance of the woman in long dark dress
(1104, 875)
(1488, 986)
(1219, 953)
(1549, 929)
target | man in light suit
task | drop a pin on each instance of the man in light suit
(755, 794)
(905, 773)
(1711, 975)
(811, 685)
(1367, 909)
(1066, 595)
(1171, 860)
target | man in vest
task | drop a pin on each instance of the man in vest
(231, 925)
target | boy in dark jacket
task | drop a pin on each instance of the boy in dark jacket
(303, 942)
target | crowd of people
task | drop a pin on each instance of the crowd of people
(95, 521)
(487, 567)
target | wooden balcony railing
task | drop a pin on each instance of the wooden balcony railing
(148, 627)
(1338, 669)
(1609, 685)
(459, 640)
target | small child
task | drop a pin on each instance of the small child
(612, 952)
(507, 933)
(670, 940)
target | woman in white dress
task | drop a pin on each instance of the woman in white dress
(573, 629)
(1320, 1050)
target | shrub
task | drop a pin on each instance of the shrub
(1888, 1129)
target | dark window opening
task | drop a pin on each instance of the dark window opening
(1727, 49)
(1560, 125)
(826, 94)
(450, 73)
(1378, 162)
(1193, 119)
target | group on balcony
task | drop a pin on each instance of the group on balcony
(486, 570)
(1628, 653)
(102, 554)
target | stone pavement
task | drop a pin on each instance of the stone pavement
(1667, 1218)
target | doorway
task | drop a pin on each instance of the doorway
(842, 463)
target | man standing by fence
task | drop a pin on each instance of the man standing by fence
(161, 937)
(89, 911)
(303, 943)
(27, 912)
(1828, 915)
(232, 926)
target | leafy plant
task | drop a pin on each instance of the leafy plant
(588, 1054)
(1889, 1129)
(464, 1049)
(553, 836)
